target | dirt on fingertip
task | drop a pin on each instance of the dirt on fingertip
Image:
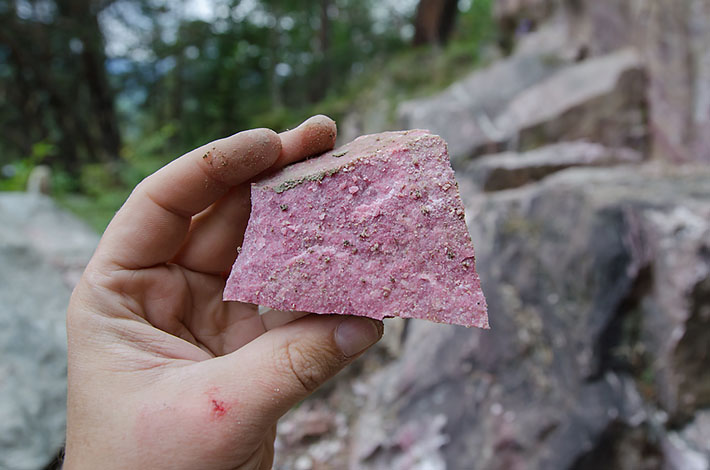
(319, 134)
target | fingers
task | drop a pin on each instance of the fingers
(216, 234)
(151, 226)
(286, 364)
(236, 326)
(275, 318)
(314, 136)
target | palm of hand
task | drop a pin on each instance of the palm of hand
(162, 373)
(167, 335)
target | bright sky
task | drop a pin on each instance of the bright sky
(202, 9)
(120, 39)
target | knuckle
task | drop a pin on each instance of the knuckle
(307, 365)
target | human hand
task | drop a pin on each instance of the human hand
(162, 373)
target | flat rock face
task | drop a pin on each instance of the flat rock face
(601, 99)
(511, 169)
(672, 39)
(464, 114)
(375, 228)
(537, 96)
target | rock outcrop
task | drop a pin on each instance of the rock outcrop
(595, 262)
(601, 100)
(42, 253)
(597, 282)
(465, 113)
(538, 97)
(511, 169)
(671, 36)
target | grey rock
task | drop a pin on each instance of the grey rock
(697, 432)
(679, 456)
(671, 37)
(511, 169)
(61, 238)
(602, 100)
(595, 279)
(693, 439)
(464, 114)
(535, 97)
(42, 249)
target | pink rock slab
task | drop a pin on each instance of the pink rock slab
(375, 228)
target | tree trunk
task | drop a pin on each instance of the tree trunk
(85, 20)
(434, 21)
(324, 43)
(178, 87)
(73, 131)
(102, 99)
(61, 96)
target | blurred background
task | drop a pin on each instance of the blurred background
(580, 135)
(105, 92)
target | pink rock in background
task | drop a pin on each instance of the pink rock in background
(375, 228)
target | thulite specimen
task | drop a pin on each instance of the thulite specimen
(375, 228)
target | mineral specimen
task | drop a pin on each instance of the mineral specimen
(375, 228)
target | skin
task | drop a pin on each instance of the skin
(161, 372)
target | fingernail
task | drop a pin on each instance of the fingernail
(353, 335)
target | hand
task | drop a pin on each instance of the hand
(162, 372)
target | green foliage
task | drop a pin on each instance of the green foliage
(416, 72)
(53, 84)
(98, 210)
(144, 155)
(182, 81)
(17, 173)
(16, 177)
(250, 63)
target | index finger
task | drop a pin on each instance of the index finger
(151, 226)
(215, 233)
(315, 135)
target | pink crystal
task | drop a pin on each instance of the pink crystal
(375, 228)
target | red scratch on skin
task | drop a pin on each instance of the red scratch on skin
(219, 408)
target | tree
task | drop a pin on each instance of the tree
(185, 79)
(82, 18)
(434, 21)
(55, 81)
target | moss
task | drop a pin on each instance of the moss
(290, 184)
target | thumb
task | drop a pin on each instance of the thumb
(284, 365)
